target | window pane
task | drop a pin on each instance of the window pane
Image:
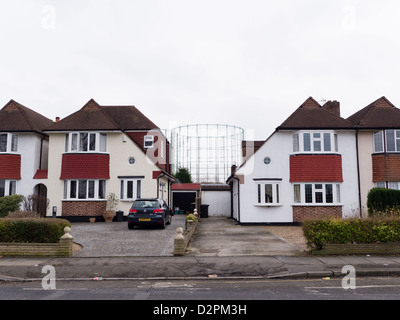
(277, 193)
(139, 189)
(103, 142)
(381, 185)
(390, 140)
(317, 145)
(3, 142)
(92, 145)
(318, 197)
(65, 195)
(82, 189)
(338, 193)
(307, 142)
(328, 193)
(268, 193)
(308, 193)
(327, 142)
(296, 189)
(72, 192)
(2, 188)
(74, 142)
(378, 141)
(66, 142)
(122, 190)
(102, 189)
(83, 142)
(393, 185)
(336, 143)
(12, 188)
(91, 189)
(129, 191)
(14, 143)
(295, 142)
(259, 193)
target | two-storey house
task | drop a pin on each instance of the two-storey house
(307, 167)
(23, 151)
(100, 150)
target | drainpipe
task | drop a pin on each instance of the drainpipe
(358, 175)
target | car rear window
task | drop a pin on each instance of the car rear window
(146, 204)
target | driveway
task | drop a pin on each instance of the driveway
(114, 239)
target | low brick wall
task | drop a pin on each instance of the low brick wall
(382, 248)
(62, 248)
(83, 208)
(180, 245)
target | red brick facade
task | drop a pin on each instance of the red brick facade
(10, 166)
(316, 168)
(385, 167)
(300, 213)
(83, 208)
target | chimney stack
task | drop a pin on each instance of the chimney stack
(57, 119)
(333, 107)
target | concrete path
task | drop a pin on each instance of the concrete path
(222, 237)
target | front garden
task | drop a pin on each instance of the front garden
(377, 234)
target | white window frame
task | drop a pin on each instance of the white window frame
(396, 138)
(136, 191)
(148, 142)
(11, 143)
(10, 187)
(261, 193)
(73, 142)
(317, 189)
(71, 189)
(316, 137)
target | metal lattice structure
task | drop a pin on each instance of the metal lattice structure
(207, 150)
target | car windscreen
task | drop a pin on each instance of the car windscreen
(146, 204)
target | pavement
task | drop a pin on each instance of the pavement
(221, 249)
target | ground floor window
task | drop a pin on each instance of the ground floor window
(8, 187)
(131, 189)
(316, 193)
(268, 192)
(85, 189)
(390, 185)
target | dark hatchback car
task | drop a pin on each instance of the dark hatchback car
(149, 212)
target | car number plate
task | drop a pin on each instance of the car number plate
(143, 219)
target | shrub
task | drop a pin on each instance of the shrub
(9, 204)
(191, 216)
(322, 231)
(381, 201)
(32, 230)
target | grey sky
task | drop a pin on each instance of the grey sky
(247, 63)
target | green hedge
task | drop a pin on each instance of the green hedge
(335, 231)
(383, 201)
(31, 230)
(9, 204)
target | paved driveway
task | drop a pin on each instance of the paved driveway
(114, 239)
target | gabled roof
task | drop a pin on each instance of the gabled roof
(14, 117)
(92, 116)
(311, 115)
(380, 114)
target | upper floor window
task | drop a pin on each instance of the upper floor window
(315, 142)
(85, 142)
(148, 142)
(8, 142)
(387, 141)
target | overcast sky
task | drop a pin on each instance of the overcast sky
(246, 63)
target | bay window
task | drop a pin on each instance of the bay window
(8, 142)
(91, 189)
(85, 142)
(316, 193)
(315, 142)
(8, 187)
